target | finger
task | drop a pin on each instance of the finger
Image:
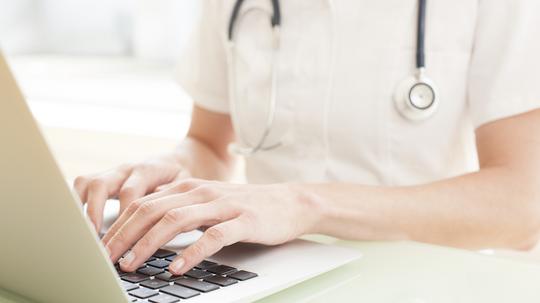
(212, 241)
(184, 187)
(130, 210)
(183, 175)
(99, 190)
(135, 187)
(178, 187)
(165, 187)
(162, 187)
(97, 197)
(145, 179)
(148, 214)
(113, 179)
(80, 185)
(174, 222)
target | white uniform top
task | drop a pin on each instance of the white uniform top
(336, 114)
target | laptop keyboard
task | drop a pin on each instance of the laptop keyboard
(153, 283)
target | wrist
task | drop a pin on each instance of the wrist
(313, 208)
(176, 159)
(201, 161)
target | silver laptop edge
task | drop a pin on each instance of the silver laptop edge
(50, 253)
(38, 209)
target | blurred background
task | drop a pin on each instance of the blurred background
(99, 74)
(149, 29)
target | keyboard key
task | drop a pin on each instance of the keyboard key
(128, 286)
(119, 271)
(159, 263)
(171, 258)
(151, 259)
(242, 275)
(163, 298)
(150, 271)
(206, 264)
(154, 284)
(163, 253)
(222, 270)
(196, 284)
(220, 280)
(134, 277)
(143, 293)
(179, 291)
(167, 276)
(197, 274)
(132, 299)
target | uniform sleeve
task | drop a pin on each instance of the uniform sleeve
(202, 71)
(504, 75)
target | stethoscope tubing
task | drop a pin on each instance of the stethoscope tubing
(421, 36)
(248, 149)
(276, 20)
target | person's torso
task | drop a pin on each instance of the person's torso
(336, 116)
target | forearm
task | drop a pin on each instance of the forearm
(490, 208)
(201, 161)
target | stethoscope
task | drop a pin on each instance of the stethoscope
(416, 97)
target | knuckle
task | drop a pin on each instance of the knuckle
(146, 208)
(207, 190)
(247, 210)
(248, 218)
(134, 206)
(96, 183)
(127, 192)
(250, 215)
(119, 237)
(137, 204)
(197, 250)
(144, 242)
(173, 216)
(215, 234)
(188, 185)
(79, 181)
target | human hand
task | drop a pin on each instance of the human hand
(264, 214)
(127, 182)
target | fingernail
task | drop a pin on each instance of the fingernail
(177, 265)
(126, 261)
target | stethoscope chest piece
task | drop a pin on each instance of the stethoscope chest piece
(416, 98)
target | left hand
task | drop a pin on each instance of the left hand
(264, 214)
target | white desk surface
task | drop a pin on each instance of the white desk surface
(389, 272)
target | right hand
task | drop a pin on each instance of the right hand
(127, 182)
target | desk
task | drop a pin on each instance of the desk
(389, 272)
(413, 273)
(418, 273)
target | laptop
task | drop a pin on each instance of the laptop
(50, 253)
